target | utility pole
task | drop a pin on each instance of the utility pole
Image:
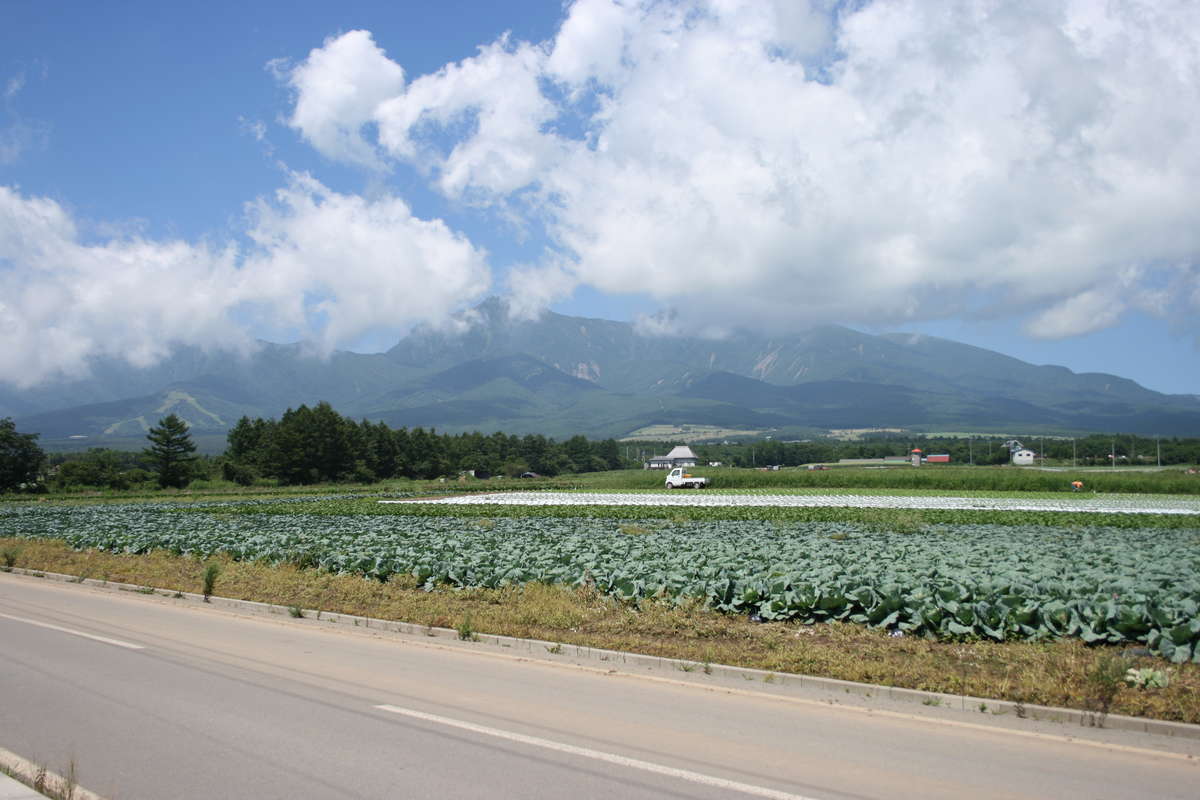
(1158, 446)
(971, 449)
(1113, 454)
(1072, 451)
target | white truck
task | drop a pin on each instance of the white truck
(678, 479)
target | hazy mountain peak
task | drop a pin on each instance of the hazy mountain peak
(561, 375)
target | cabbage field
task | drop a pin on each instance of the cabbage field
(1001, 582)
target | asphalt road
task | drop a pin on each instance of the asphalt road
(158, 698)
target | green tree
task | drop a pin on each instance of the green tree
(20, 457)
(311, 445)
(426, 454)
(249, 440)
(608, 452)
(98, 467)
(381, 452)
(170, 452)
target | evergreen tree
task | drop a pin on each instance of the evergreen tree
(609, 453)
(578, 452)
(249, 440)
(380, 451)
(20, 457)
(170, 452)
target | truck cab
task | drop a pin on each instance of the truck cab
(678, 479)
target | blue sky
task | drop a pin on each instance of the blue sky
(1018, 176)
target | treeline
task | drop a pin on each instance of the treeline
(314, 445)
(310, 445)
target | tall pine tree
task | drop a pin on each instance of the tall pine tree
(170, 452)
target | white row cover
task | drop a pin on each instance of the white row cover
(1109, 504)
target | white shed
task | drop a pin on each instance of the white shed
(1023, 457)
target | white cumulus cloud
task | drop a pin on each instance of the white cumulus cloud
(63, 302)
(340, 265)
(337, 90)
(784, 163)
(326, 266)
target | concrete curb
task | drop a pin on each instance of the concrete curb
(547, 651)
(28, 772)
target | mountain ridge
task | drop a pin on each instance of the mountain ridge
(561, 375)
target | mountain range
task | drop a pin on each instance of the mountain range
(560, 375)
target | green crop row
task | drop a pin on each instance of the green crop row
(1027, 581)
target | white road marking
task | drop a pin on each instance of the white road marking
(73, 632)
(598, 755)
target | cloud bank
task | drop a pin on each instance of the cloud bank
(322, 266)
(783, 163)
(769, 163)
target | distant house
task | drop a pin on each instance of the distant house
(939, 458)
(1023, 457)
(681, 456)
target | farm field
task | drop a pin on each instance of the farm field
(1097, 583)
(687, 433)
(914, 581)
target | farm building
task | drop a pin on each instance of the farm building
(681, 456)
(1023, 457)
(939, 458)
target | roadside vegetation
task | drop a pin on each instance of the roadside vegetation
(46, 783)
(1057, 673)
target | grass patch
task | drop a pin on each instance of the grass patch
(46, 783)
(951, 479)
(946, 478)
(209, 580)
(1065, 673)
(9, 555)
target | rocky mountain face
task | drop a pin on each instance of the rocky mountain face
(562, 375)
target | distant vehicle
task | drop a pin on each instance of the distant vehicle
(530, 475)
(678, 479)
(817, 466)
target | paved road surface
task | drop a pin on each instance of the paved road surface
(156, 698)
